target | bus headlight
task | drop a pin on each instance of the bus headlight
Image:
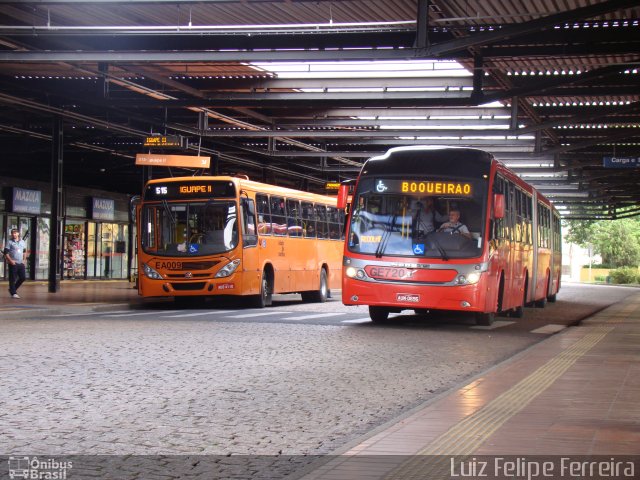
(150, 272)
(473, 277)
(228, 269)
(358, 273)
(469, 279)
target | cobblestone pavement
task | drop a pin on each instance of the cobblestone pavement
(148, 387)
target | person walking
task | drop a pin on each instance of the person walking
(15, 254)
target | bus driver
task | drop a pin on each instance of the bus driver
(454, 225)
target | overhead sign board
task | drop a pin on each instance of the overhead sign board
(161, 141)
(160, 160)
(332, 185)
(621, 162)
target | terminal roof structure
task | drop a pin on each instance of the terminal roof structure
(300, 93)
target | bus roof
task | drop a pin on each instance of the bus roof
(254, 186)
(421, 159)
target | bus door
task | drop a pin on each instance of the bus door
(251, 261)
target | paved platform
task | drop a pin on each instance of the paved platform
(575, 394)
(72, 294)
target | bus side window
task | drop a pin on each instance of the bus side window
(308, 220)
(335, 225)
(321, 221)
(279, 225)
(264, 215)
(294, 225)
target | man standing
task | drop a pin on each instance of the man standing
(15, 254)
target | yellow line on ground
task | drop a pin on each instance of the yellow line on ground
(468, 434)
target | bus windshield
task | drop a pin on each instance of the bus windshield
(419, 223)
(189, 229)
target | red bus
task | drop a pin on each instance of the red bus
(212, 236)
(507, 257)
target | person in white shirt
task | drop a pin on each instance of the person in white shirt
(426, 215)
(15, 252)
(454, 225)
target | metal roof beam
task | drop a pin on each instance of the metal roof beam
(582, 119)
(542, 87)
(306, 100)
(364, 133)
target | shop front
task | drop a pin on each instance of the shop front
(24, 213)
(95, 241)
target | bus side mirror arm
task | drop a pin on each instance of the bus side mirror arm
(498, 205)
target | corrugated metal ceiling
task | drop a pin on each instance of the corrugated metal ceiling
(566, 51)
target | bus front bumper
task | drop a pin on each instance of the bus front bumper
(403, 296)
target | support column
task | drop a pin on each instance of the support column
(513, 124)
(478, 79)
(422, 33)
(57, 207)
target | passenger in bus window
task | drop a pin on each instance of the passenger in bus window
(454, 225)
(426, 216)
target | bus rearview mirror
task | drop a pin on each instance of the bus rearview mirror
(343, 195)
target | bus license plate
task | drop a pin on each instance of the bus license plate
(407, 297)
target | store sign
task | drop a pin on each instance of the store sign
(621, 162)
(103, 209)
(159, 160)
(26, 201)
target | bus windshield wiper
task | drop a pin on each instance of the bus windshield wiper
(385, 237)
(443, 253)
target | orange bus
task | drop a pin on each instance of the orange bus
(208, 236)
(507, 256)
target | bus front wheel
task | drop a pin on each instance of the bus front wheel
(378, 314)
(266, 292)
(485, 319)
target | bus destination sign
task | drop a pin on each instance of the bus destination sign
(189, 189)
(424, 187)
(162, 141)
(162, 160)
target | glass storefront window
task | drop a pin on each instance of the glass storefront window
(73, 251)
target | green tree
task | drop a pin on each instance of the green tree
(616, 241)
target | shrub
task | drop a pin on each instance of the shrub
(624, 275)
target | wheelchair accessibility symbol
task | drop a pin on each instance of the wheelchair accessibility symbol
(418, 248)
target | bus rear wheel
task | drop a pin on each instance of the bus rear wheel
(320, 295)
(378, 314)
(541, 303)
